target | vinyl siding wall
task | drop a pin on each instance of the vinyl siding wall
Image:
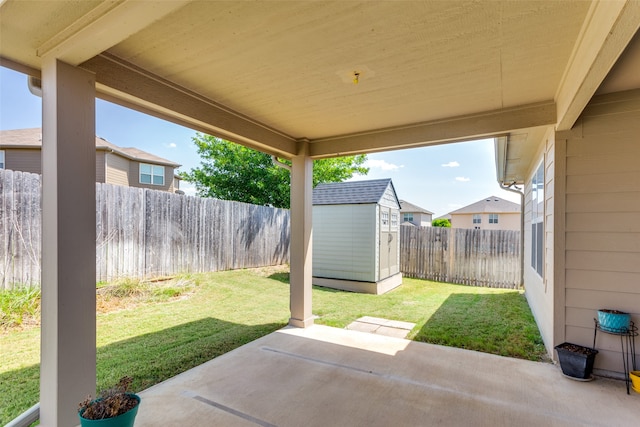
(344, 242)
(603, 220)
(25, 160)
(539, 290)
(506, 221)
(117, 169)
(101, 168)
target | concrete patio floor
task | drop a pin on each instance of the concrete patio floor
(322, 376)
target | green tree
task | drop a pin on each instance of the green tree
(231, 171)
(441, 223)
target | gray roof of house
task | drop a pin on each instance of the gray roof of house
(491, 204)
(410, 207)
(351, 192)
(32, 138)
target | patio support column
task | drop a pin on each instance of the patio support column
(68, 334)
(301, 237)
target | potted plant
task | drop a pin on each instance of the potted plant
(614, 321)
(115, 407)
(576, 361)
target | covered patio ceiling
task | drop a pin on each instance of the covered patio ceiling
(270, 74)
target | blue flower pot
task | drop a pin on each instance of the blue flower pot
(614, 321)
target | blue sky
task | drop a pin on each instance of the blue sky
(439, 178)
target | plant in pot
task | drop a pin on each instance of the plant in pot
(115, 407)
(576, 361)
(614, 321)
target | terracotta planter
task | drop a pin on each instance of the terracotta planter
(576, 361)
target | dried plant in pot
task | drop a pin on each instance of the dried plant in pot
(576, 361)
(115, 407)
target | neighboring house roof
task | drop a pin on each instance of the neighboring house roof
(491, 204)
(351, 192)
(410, 207)
(32, 138)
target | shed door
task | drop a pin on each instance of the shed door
(386, 239)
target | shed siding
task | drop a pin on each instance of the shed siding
(344, 242)
(24, 160)
(540, 290)
(603, 220)
(117, 169)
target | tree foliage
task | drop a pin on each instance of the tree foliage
(231, 171)
(441, 223)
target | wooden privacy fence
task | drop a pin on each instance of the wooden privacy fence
(469, 257)
(144, 233)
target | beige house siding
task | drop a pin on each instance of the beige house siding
(100, 167)
(603, 220)
(540, 290)
(117, 169)
(420, 219)
(25, 160)
(506, 221)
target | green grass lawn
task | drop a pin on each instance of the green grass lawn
(155, 339)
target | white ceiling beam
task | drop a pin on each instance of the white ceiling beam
(457, 129)
(103, 27)
(123, 83)
(606, 32)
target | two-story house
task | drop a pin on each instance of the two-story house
(415, 214)
(20, 150)
(490, 213)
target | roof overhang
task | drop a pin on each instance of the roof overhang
(346, 77)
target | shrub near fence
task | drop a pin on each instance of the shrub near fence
(469, 257)
(144, 233)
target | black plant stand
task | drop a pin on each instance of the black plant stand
(627, 336)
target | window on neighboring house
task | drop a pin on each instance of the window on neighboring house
(407, 217)
(1, 159)
(493, 218)
(537, 220)
(477, 219)
(151, 174)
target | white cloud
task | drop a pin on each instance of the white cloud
(188, 188)
(453, 164)
(462, 179)
(381, 164)
(170, 145)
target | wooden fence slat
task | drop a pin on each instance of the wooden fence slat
(464, 256)
(143, 233)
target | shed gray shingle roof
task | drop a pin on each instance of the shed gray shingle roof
(491, 204)
(351, 192)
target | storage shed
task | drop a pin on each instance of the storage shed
(356, 244)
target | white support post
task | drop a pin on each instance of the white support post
(301, 235)
(68, 335)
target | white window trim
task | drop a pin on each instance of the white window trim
(151, 175)
(3, 164)
(537, 220)
(477, 217)
(493, 218)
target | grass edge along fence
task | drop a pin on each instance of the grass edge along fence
(488, 258)
(143, 233)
